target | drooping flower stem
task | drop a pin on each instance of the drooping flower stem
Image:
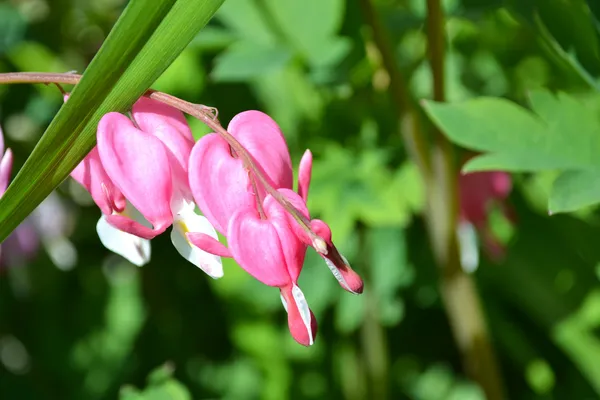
(205, 114)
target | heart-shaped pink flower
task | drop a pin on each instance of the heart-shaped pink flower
(218, 178)
(269, 250)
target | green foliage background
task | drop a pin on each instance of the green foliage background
(105, 329)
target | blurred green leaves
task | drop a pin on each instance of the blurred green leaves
(105, 351)
(366, 191)
(563, 134)
(560, 135)
(311, 27)
(568, 32)
(277, 31)
(143, 43)
(161, 386)
(573, 190)
(276, 43)
(12, 27)
(246, 60)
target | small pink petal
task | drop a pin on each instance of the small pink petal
(91, 175)
(301, 320)
(337, 263)
(304, 174)
(262, 138)
(294, 249)
(129, 225)
(501, 184)
(218, 181)
(161, 119)
(5, 169)
(255, 245)
(138, 165)
(170, 126)
(208, 244)
(1, 142)
(478, 190)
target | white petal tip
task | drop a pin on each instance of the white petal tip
(338, 275)
(209, 263)
(134, 249)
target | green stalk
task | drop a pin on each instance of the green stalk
(459, 292)
(439, 172)
(373, 336)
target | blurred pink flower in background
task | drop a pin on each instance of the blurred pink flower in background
(49, 225)
(479, 192)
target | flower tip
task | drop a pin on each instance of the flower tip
(320, 245)
(354, 283)
(301, 320)
(302, 335)
(348, 279)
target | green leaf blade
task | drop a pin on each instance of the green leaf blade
(145, 40)
(574, 190)
(561, 135)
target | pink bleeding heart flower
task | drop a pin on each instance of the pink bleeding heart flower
(147, 160)
(478, 192)
(269, 250)
(90, 174)
(221, 185)
(267, 247)
(218, 178)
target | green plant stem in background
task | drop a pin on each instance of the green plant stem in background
(458, 289)
(439, 173)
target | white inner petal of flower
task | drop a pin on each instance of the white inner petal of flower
(283, 302)
(134, 249)
(338, 275)
(469, 248)
(304, 310)
(186, 220)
